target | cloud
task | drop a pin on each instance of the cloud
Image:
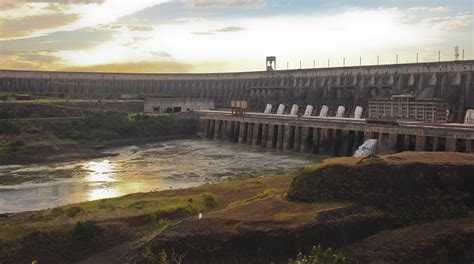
(230, 29)
(449, 22)
(138, 67)
(29, 60)
(224, 3)
(428, 9)
(221, 30)
(23, 26)
(62, 40)
(162, 54)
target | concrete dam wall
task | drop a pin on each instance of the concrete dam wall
(346, 86)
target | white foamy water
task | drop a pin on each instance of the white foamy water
(155, 166)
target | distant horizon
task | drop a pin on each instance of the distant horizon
(236, 72)
(201, 36)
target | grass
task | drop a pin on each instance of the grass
(116, 210)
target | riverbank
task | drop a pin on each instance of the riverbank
(75, 150)
(26, 141)
(260, 221)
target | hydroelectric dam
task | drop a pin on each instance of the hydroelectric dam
(362, 89)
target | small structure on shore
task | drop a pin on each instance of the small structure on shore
(177, 105)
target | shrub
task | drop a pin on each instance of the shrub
(209, 201)
(87, 230)
(318, 256)
(73, 211)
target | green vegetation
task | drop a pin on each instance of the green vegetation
(209, 201)
(87, 230)
(318, 256)
(73, 211)
(118, 125)
(105, 125)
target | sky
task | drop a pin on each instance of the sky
(191, 36)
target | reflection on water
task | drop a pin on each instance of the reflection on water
(102, 193)
(156, 166)
(101, 171)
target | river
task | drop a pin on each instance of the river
(154, 166)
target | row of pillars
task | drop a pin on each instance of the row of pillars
(323, 141)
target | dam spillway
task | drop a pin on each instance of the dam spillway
(330, 135)
(340, 86)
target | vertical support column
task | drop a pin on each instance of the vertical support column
(316, 140)
(451, 144)
(406, 142)
(255, 132)
(211, 128)
(324, 146)
(420, 143)
(208, 128)
(236, 131)
(304, 139)
(250, 128)
(469, 146)
(297, 139)
(264, 139)
(224, 130)
(287, 144)
(392, 142)
(216, 129)
(344, 148)
(281, 132)
(435, 144)
(270, 132)
(243, 132)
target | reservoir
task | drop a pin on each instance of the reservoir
(150, 167)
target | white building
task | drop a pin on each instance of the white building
(176, 105)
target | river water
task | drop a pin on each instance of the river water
(154, 166)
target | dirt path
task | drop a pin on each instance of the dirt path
(107, 256)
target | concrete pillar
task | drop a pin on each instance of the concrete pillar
(223, 130)
(270, 135)
(229, 130)
(406, 142)
(216, 129)
(207, 128)
(288, 138)
(236, 131)
(281, 132)
(255, 133)
(344, 145)
(435, 143)
(242, 132)
(420, 143)
(325, 144)
(304, 139)
(469, 146)
(392, 143)
(250, 128)
(263, 141)
(211, 128)
(451, 144)
(297, 139)
(316, 141)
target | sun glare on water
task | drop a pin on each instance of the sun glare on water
(102, 171)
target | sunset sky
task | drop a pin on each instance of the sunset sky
(228, 35)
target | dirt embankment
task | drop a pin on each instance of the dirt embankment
(345, 201)
(413, 185)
